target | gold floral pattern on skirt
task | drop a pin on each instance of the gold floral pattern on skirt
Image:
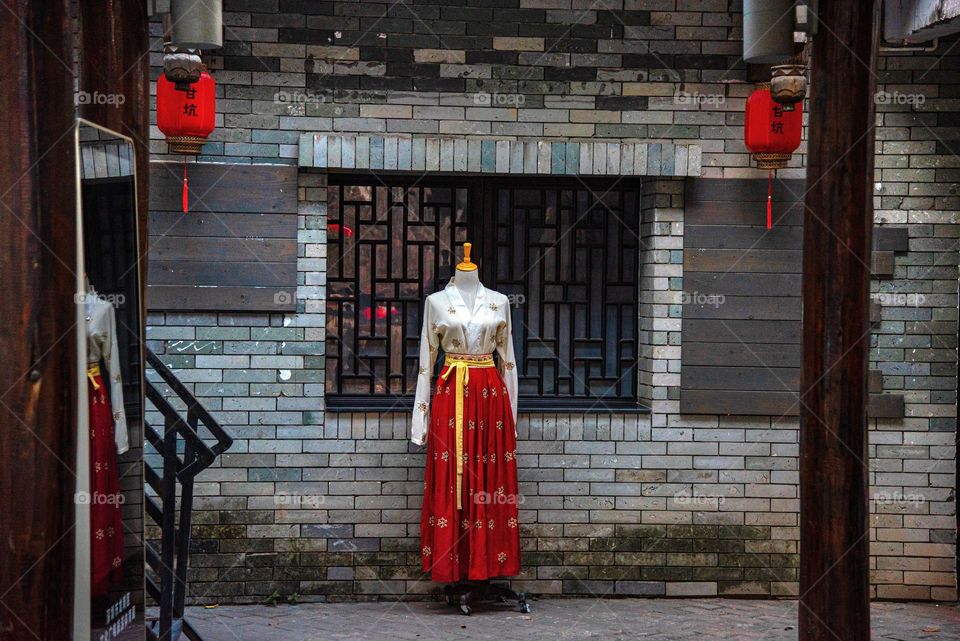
(481, 539)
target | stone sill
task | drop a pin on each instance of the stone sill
(498, 155)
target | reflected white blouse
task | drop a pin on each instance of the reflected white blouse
(449, 323)
(102, 347)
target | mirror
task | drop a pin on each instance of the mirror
(109, 572)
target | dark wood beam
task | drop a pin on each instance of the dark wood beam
(38, 393)
(834, 542)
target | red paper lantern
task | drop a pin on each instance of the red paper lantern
(770, 131)
(187, 117)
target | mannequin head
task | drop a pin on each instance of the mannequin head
(466, 265)
(467, 276)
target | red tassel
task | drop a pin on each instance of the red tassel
(769, 200)
(186, 198)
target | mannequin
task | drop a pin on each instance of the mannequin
(467, 278)
(469, 526)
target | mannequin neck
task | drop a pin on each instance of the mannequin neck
(468, 284)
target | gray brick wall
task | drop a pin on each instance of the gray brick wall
(326, 505)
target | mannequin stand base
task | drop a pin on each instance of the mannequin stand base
(467, 593)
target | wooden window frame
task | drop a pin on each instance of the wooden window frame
(480, 190)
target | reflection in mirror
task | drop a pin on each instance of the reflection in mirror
(112, 314)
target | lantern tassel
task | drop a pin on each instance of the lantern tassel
(770, 199)
(186, 192)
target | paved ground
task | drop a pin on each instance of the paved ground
(557, 619)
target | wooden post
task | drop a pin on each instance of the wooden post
(834, 545)
(38, 316)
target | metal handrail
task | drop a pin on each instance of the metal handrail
(185, 454)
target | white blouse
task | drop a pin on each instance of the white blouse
(449, 323)
(102, 346)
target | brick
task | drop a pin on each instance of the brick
(518, 44)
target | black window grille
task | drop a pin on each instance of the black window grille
(566, 252)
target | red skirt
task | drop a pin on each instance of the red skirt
(106, 526)
(482, 539)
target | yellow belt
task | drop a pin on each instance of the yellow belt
(92, 372)
(462, 364)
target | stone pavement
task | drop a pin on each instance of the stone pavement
(555, 620)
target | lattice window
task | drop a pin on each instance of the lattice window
(567, 253)
(388, 247)
(569, 256)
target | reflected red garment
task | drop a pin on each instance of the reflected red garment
(482, 540)
(106, 526)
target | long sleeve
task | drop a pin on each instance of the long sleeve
(507, 361)
(429, 345)
(111, 358)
